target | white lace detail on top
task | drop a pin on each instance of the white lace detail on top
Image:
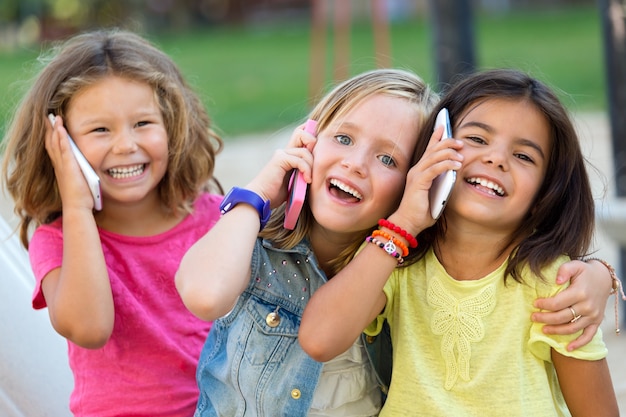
(459, 322)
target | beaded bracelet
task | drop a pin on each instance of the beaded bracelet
(397, 229)
(405, 250)
(617, 288)
(389, 247)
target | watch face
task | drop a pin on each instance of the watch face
(227, 202)
(241, 195)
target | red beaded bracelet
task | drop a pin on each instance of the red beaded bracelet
(409, 237)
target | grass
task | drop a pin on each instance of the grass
(256, 79)
(563, 48)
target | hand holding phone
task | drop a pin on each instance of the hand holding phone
(88, 172)
(297, 189)
(442, 185)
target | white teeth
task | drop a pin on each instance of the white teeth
(126, 172)
(487, 184)
(346, 188)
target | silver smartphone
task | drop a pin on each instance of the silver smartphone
(443, 184)
(88, 172)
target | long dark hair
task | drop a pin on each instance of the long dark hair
(561, 220)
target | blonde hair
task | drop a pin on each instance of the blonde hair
(339, 101)
(80, 62)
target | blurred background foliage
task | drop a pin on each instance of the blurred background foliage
(250, 60)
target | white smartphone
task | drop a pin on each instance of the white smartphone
(443, 184)
(88, 172)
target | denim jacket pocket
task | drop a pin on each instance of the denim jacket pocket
(269, 320)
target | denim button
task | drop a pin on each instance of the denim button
(272, 319)
(296, 394)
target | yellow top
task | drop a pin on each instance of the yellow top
(469, 348)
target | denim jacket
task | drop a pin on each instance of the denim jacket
(252, 363)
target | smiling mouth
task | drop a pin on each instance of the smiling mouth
(489, 186)
(127, 172)
(344, 191)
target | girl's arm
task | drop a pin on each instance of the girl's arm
(588, 293)
(78, 294)
(355, 295)
(216, 269)
(586, 386)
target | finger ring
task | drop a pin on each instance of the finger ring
(575, 316)
(573, 312)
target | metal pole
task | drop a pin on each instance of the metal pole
(453, 39)
(613, 16)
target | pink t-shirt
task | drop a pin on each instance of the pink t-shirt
(147, 368)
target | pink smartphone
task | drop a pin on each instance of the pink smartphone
(297, 189)
(442, 185)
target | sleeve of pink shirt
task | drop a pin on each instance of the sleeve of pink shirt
(46, 253)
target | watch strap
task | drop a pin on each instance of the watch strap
(238, 195)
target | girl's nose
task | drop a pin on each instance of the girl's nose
(496, 157)
(124, 143)
(355, 162)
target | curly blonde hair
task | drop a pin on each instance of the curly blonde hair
(81, 61)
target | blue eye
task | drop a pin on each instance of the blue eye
(387, 160)
(343, 139)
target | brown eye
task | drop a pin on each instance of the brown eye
(524, 157)
(476, 139)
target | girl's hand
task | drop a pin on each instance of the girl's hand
(440, 156)
(271, 182)
(587, 296)
(72, 185)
